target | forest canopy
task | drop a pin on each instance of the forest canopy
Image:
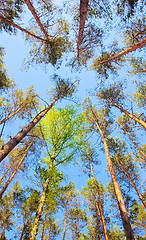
(72, 119)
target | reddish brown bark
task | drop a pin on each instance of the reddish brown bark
(4, 151)
(20, 28)
(125, 171)
(133, 117)
(132, 140)
(135, 46)
(83, 16)
(35, 15)
(118, 193)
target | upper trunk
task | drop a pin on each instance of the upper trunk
(35, 15)
(135, 46)
(20, 135)
(132, 140)
(83, 15)
(133, 117)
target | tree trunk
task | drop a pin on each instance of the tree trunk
(12, 114)
(118, 193)
(16, 169)
(133, 117)
(39, 212)
(83, 15)
(23, 230)
(135, 46)
(4, 151)
(20, 28)
(132, 140)
(35, 15)
(99, 207)
(124, 170)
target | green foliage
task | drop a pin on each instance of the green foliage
(63, 131)
(10, 9)
(63, 88)
(140, 95)
(116, 234)
(114, 93)
(5, 81)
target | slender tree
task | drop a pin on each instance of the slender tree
(101, 125)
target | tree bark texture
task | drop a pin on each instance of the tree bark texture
(118, 193)
(133, 117)
(135, 46)
(4, 151)
(83, 16)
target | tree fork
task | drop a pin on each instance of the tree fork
(35, 15)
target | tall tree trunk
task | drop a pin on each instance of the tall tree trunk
(132, 140)
(124, 170)
(99, 206)
(135, 46)
(133, 117)
(83, 15)
(35, 15)
(39, 211)
(16, 169)
(118, 193)
(21, 29)
(4, 151)
(12, 114)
